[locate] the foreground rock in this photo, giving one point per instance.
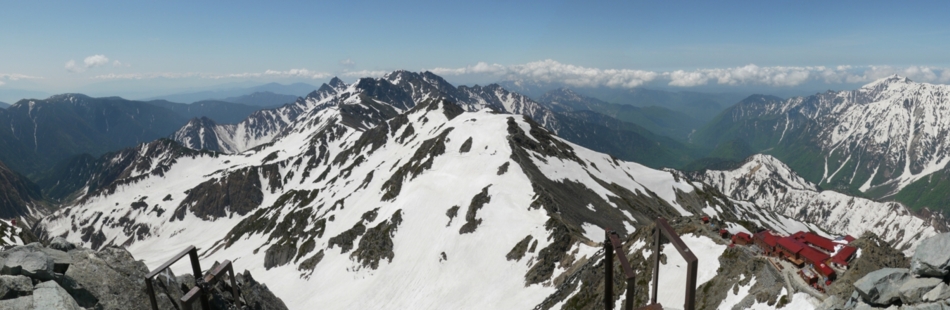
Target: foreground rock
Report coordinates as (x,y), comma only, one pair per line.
(37,277)
(923,286)
(933,257)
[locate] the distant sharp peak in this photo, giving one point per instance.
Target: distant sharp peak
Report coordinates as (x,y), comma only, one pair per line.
(890,80)
(68,97)
(766,167)
(336,83)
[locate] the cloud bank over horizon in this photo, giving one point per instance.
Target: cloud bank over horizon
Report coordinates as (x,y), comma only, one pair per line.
(554,72)
(551,71)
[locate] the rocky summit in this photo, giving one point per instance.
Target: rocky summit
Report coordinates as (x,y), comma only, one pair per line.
(61,275)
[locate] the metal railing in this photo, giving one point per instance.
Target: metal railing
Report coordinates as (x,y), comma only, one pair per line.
(202,284)
(210,279)
(612,245)
(664,230)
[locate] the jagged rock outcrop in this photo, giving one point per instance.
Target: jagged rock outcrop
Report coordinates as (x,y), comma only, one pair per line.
(914,288)
(38,277)
(933,258)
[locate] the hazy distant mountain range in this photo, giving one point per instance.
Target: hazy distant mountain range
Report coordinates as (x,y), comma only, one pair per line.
(4,105)
(235,94)
(697,105)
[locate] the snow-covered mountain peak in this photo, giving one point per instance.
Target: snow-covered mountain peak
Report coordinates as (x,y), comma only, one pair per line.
(893,79)
(760,169)
(772,185)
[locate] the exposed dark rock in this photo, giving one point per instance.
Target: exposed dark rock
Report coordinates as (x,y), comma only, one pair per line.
(466,146)
(518,251)
(377,243)
(310,263)
(503,168)
(471,223)
(279,255)
(240,192)
(451,110)
(421,161)
(451,213)
(561,241)
(346,238)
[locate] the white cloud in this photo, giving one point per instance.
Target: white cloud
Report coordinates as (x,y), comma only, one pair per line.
(72,67)
(347,63)
(479,68)
(90,62)
(365,73)
(95,61)
(298,73)
(120,64)
(552,71)
(2,83)
(16,77)
(775,76)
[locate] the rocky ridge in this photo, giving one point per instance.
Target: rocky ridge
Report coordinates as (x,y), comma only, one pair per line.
(63,276)
(922,286)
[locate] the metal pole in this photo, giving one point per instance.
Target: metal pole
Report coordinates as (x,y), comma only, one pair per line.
(608,271)
(196,269)
(690,303)
(656,262)
(628,304)
(234,292)
(151,293)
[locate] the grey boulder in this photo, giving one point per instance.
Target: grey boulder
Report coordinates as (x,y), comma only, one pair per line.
(928,306)
(49,295)
(882,287)
(26,261)
(14,286)
(914,289)
(60,243)
(25,302)
(932,258)
(941,292)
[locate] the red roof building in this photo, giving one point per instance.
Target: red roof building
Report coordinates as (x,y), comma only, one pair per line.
(705,219)
(843,257)
(723,233)
(742,238)
(813,256)
(819,242)
(766,241)
(791,248)
(826,271)
(848,238)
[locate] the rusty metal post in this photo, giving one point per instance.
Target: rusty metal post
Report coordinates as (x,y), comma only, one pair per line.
(234,292)
(690,302)
(151,293)
(628,304)
(608,271)
(196,269)
(658,236)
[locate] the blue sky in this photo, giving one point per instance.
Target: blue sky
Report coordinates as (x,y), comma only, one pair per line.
(156,46)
